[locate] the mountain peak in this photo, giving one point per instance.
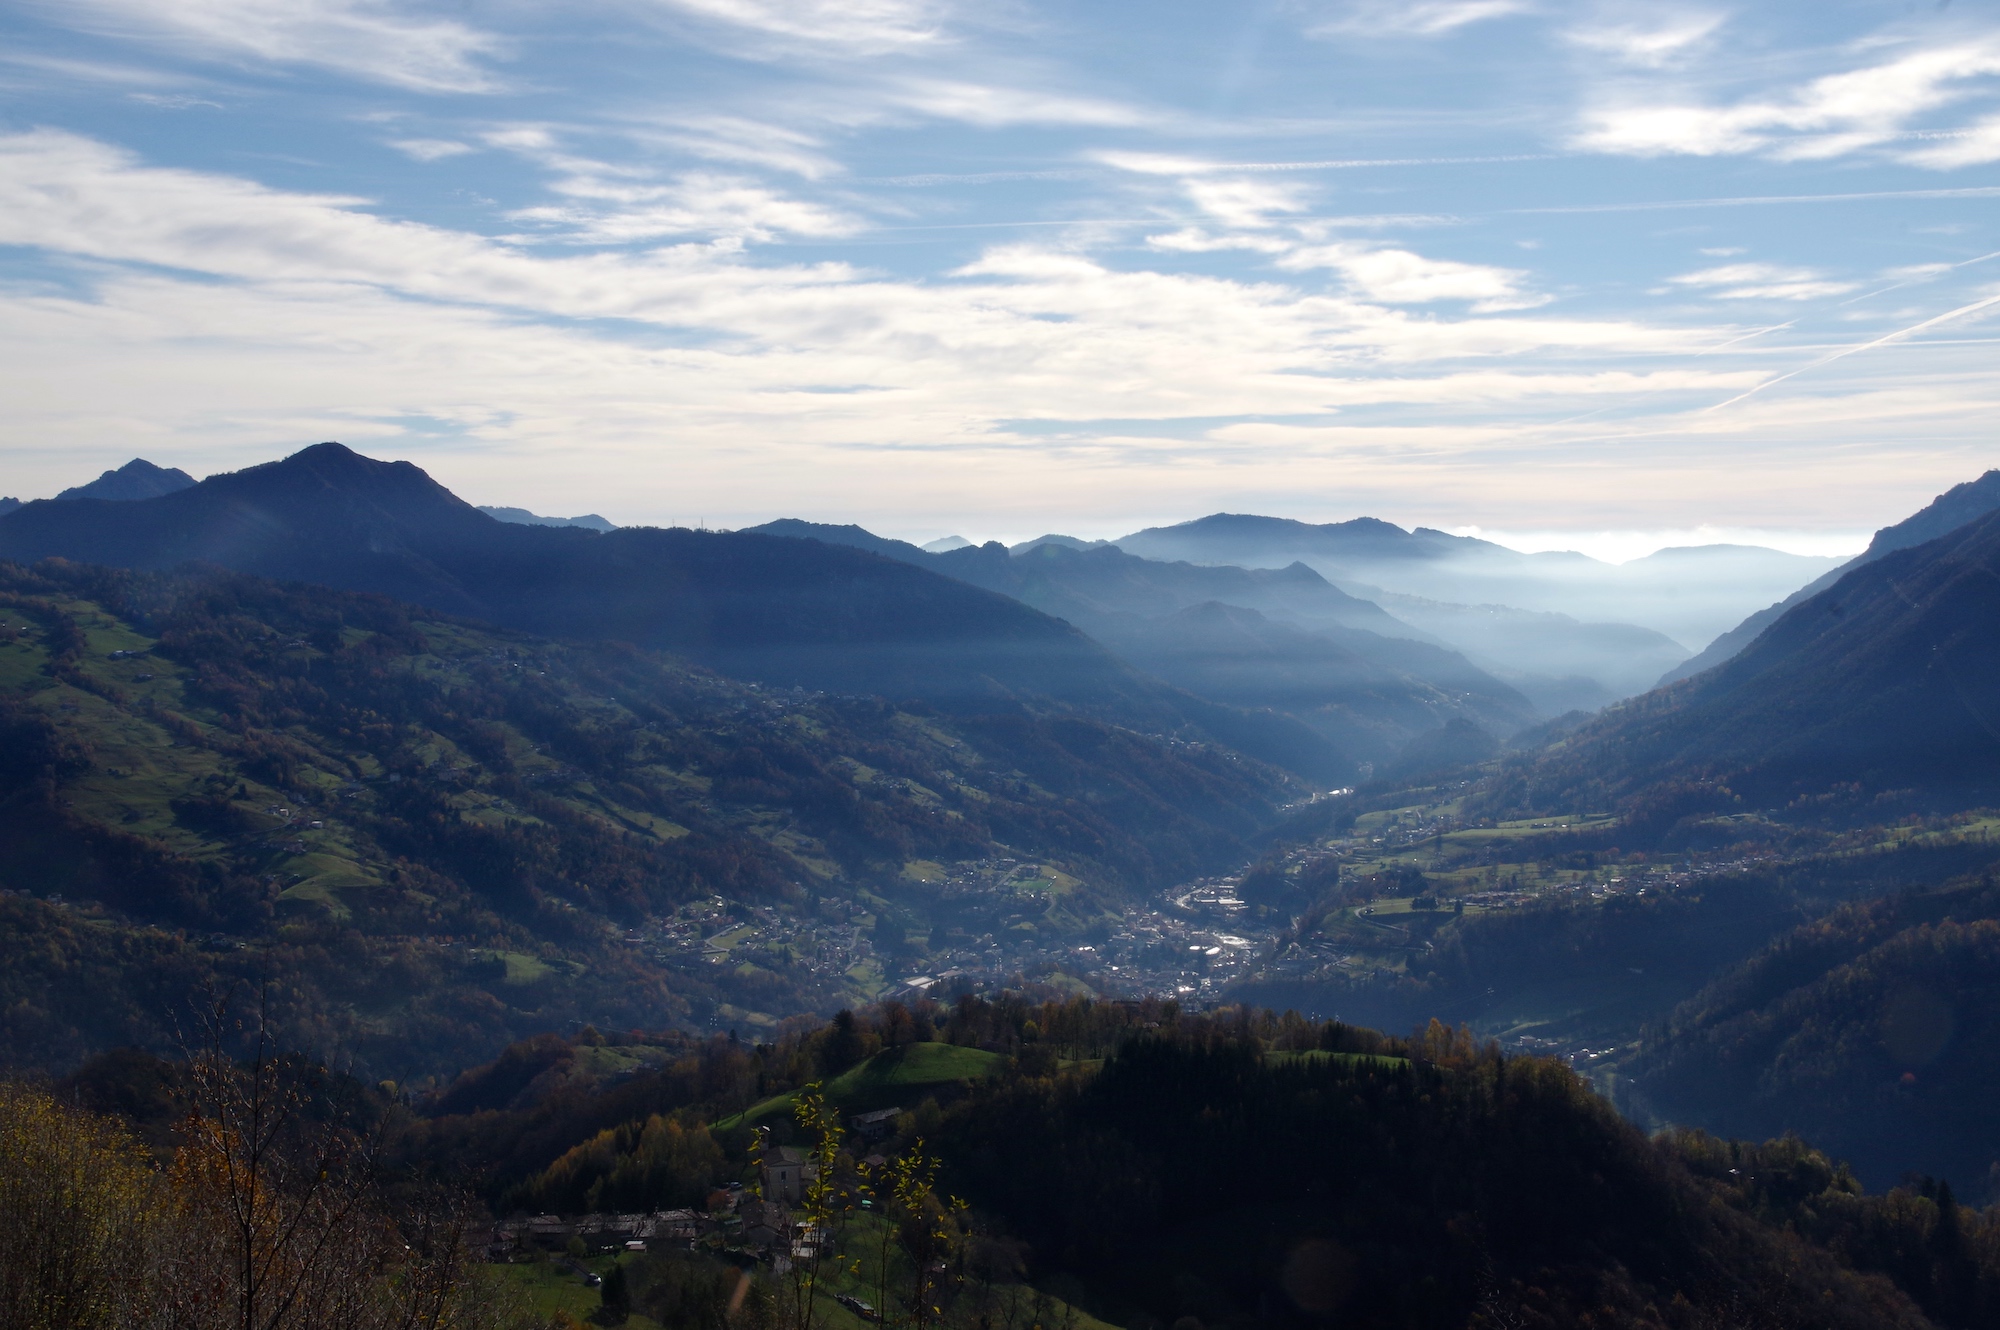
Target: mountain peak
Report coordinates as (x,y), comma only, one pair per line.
(137,479)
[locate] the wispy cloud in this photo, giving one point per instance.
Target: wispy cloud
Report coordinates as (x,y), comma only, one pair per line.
(744,141)
(697,203)
(994,106)
(604,203)
(174,101)
(1827,117)
(1965,311)
(1667,40)
(1244,203)
(1763,281)
(1413,18)
(431,150)
(1401,277)
(1975,145)
(856,26)
(369,39)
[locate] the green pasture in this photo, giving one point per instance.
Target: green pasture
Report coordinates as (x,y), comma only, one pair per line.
(882,1079)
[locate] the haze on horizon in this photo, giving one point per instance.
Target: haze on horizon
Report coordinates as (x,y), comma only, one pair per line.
(1574,275)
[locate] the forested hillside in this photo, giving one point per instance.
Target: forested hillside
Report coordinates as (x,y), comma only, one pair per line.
(1144,1166)
(1885,680)
(437,837)
(1872,1031)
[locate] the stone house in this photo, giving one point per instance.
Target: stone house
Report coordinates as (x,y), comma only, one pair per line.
(787,1173)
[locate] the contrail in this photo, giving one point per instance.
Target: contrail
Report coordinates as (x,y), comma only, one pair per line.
(1828,359)
(1972,192)
(1754,332)
(1962,263)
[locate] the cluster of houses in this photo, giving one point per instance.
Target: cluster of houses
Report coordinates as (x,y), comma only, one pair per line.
(734,1221)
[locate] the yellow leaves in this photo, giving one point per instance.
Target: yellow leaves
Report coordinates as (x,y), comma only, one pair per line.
(72,1190)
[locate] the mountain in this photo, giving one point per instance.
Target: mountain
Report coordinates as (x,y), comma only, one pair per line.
(1888,679)
(137,479)
(943,543)
(780,611)
(8,505)
(526,518)
(1687,594)
(1952,509)
(1514,615)
(444,837)
(1282,639)
(1556,662)
(1870,1031)
(1067,542)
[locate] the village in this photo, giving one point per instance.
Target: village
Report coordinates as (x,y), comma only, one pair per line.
(979,925)
(763,1224)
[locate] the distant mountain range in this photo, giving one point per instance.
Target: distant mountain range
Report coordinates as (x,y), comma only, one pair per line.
(754,606)
(1284,639)
(137,479)
(1685,594)
(523,517)
(1325,648)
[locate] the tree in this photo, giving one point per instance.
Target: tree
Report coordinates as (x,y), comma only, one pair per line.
(614,1297)
(821,1202)
(74,1195)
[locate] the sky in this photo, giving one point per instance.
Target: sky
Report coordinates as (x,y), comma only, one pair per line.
(1584,275)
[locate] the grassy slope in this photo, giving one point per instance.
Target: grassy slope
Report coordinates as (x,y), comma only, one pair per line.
(877,1082)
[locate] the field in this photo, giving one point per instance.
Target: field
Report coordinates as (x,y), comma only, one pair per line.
(884,1079)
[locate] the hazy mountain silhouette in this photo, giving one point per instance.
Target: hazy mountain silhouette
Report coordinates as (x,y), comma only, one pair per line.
(1565,629)
(1515,615)
(137,479)
(777,610)
(1952,509)
(525,518)
(8,505)
(1888,679)
(763,608)
(1284,638)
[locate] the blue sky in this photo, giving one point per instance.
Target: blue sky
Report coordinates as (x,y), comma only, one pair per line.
(1595,275)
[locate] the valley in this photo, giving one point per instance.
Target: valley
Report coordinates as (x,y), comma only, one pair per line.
(598,868)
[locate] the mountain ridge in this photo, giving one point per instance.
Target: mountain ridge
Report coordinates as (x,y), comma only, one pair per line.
(1958,505)
(1886,678)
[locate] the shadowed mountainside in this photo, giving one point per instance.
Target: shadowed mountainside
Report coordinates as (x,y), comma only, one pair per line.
(1952,509)
(1871,1031)
(778,611)
(1888,679)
